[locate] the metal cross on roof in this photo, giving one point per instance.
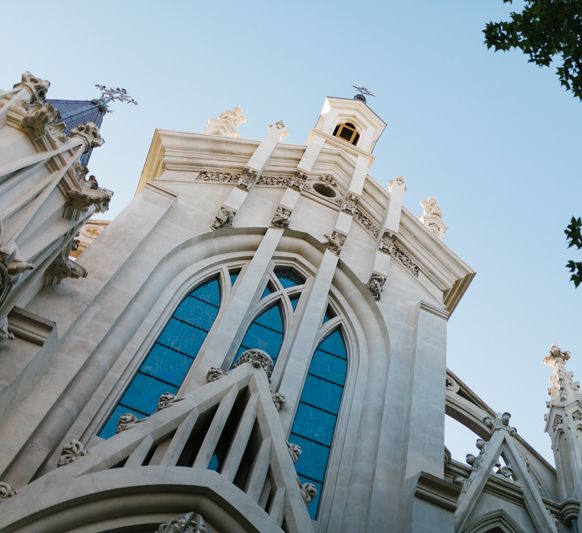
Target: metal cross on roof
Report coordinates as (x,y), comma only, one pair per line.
(363,90)
(109,94)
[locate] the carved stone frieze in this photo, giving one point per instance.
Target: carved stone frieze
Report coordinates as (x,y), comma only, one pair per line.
(247,179)
(64,267)
(6,491)
(257,358)
(167,399)
(376,285)
(218,177)
(366,221)
(281,217)
(279,400)
(335,241)
(349,202)
(214,374)
(126,421)
(389,245)
(34,85)
(224,218)
(71,452)
(308,491)
(186,523)
(89,133)
(294,451)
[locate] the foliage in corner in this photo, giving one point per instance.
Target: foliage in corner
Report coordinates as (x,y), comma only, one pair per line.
(546,31)
(574,237)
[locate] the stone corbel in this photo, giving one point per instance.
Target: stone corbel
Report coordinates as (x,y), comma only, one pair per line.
(71,452)
(36,87)
(37,119)
(335,241)
(247,179)
(89,195)
(89,134)
(214,374)
(64,267)
(281,217)
(224,218)
(376,285)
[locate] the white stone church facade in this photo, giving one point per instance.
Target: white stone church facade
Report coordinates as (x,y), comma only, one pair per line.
(256,343)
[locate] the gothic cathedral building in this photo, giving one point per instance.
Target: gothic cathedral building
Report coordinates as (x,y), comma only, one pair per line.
(256,343)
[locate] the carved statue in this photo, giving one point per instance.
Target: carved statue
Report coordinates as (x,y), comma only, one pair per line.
(297,182)
(349,203)
(376,285)
(233,116)
(224,218)
(281,217)
(71,452)
(186,523)
(64,267)
(91,195)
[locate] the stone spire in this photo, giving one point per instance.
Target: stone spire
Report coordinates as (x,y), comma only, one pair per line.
(227,124)
(432,217)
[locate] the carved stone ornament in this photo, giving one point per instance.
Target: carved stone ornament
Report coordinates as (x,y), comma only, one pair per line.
(335,242)
(279,400)
(504,471)
(376,285)
(64,267)
(397,181)
(38,118)
(90,195)
(89,133)
(167,399)
(389,245)
(234,116)
(329,179)
(349,203)
(218,177)
(501,421)
(34,85)
(366,222)
(281,217)
(577,415)
(6,491)
(186,523)
(557,421)
(257,358)
(71,452)
(297,182)
(227,123)
(451,385)
(224,218)
(308,491)
(294,451)
(126,421)
(214,374)
(247,179)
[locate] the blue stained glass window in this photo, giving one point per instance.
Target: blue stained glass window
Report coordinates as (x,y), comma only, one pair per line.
(289,277)
(317,412)
(265,333)
(268,290)
(233,275)
(168,362)
(329,314)
(294,300)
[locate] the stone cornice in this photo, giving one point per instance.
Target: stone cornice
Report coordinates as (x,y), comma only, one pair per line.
(437,491)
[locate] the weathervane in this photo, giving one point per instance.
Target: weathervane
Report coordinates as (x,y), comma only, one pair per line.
(363,90)
(109,94)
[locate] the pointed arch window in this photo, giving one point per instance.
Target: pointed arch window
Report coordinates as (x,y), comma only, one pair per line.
(348,132)
(318,409)
(171,356)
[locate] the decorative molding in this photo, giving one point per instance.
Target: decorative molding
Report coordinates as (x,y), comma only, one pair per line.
(214,374)
(294,451)
(71,452)
(335,241)
(247,179)
(274,181)
(389,245)
(6,491)
(34,85)
(257,358)
(281,217)
(186,523)
(437,491)
(166,400)
(89,133)
(224,218)
(279,400)
(126,421)
(376,285)
(211,176)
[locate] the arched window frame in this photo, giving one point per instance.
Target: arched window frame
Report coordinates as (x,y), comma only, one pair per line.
(348,124)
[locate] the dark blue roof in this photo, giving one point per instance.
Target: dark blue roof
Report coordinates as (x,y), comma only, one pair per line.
(76,112)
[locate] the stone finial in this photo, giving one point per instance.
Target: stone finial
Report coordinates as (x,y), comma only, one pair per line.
(34,85)
(257,358)
(397,182)
(432,217)
(563,389)
(501,421)
(278,130)
(71,452)
(186,523)
(89,133)
(227,124)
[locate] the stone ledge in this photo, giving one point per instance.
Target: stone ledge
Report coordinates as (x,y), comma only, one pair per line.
(29,326)
(437,491)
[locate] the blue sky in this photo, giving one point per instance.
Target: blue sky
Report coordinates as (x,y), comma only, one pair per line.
(496,140)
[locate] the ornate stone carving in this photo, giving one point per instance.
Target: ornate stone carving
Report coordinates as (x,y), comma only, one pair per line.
(349,202)
(329,179)
(366,222)
(501,421)
(451,385)
(279,400)
(274,181)
(227,123)
(257,358)
(38,118)
(297,182)
(89,133)
(376,285)
(504,471)
(218,177)
(397,181)
(6,491)
(167,399)
(557,421)
(281,217)
(335,241)
(214,374)
(563,388)
(577,415)
(430,207)
(308,491)
(63,267)
(432,217)
(186,523)
(247,179)
(71,452)
(224,218)
(389,245)
(35,86)
(90,194)
(294,451)
(126,421)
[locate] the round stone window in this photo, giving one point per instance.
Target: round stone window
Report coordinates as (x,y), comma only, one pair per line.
(324,190)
